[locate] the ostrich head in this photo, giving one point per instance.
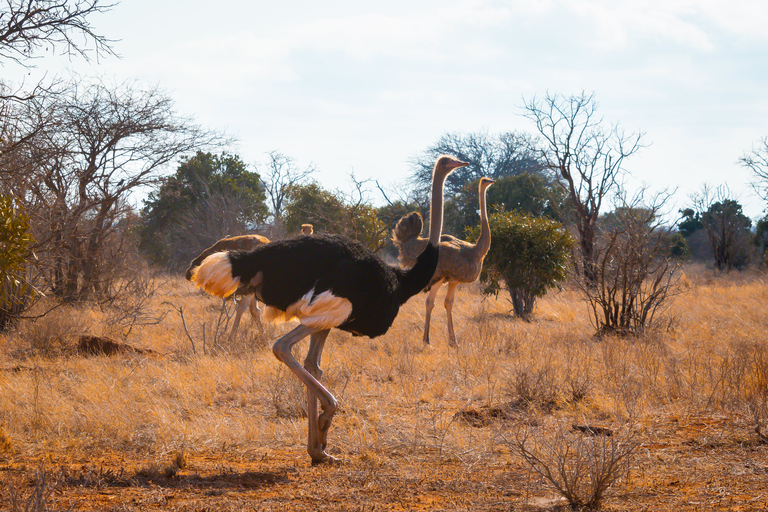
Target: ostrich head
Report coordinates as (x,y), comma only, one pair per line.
(485,183)
(445,164)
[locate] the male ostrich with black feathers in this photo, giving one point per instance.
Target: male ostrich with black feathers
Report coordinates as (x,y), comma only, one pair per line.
(326,281)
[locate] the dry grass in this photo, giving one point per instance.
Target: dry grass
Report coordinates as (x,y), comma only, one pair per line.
(222,426)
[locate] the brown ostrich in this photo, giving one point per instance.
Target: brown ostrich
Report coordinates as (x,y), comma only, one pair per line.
(307,229)
(247,299)
(460,261)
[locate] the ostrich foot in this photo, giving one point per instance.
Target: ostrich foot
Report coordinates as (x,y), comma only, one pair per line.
(324,458)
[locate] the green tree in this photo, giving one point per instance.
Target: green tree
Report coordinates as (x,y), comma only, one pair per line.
(761,240)
(15,247)
(728,229)
(208,197)
(333,213)
(528,254)
(690,222)
(528,193)
(677,246)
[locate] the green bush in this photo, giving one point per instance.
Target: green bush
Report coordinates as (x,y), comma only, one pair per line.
(15,243)
(528,254)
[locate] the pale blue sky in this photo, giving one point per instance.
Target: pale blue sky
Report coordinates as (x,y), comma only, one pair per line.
(353,87)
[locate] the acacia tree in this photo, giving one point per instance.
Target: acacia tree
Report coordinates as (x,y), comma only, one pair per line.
(585,157)
(26,26)
(75,173)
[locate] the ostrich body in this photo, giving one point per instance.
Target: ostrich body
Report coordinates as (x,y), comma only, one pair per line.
(247,300)
(459,262)
(326,281)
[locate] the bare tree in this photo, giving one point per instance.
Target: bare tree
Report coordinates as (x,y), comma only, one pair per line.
(757,162)
(98,144)
(636,277)
(278,180)
(586,158)
(26,26)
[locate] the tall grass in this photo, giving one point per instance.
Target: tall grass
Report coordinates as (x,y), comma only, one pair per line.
(396,396)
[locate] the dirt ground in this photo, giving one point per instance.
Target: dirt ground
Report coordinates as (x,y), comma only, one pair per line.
(704,463)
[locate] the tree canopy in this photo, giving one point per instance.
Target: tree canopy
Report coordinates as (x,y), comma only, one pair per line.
(333,213)
(209,197)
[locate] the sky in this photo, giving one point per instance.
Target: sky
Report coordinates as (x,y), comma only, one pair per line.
(352,86)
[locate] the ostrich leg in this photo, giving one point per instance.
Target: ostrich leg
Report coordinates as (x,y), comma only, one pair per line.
(317,440)
(242,305)
(449,295)
(253,306)
(430,305)
(282,350)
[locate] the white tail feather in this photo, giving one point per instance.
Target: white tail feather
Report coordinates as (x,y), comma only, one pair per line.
(214,275)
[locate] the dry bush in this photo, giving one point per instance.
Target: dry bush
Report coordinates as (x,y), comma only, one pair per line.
(581,468)
(54,334)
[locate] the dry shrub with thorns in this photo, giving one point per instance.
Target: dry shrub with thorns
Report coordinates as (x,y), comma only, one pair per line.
(581,464)
(634,278)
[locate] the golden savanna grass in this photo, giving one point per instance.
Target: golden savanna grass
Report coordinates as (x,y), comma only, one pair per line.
(202,424)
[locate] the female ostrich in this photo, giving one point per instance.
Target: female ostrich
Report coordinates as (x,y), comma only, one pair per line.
(247,300)
(460,261)
(326,281)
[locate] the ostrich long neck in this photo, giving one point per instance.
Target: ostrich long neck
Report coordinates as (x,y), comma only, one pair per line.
(484,242)
(414,280)
(436,208)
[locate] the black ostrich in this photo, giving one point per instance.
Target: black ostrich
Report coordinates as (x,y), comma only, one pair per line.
(325,281)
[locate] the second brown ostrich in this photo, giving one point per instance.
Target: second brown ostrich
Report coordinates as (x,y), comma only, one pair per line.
(247,299)
(459,261)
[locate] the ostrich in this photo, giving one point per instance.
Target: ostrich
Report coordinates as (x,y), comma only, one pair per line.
(460,261)
(326,281)
(307,229)
(247,300)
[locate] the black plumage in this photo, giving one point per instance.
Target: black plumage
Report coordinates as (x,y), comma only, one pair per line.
(344,267)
